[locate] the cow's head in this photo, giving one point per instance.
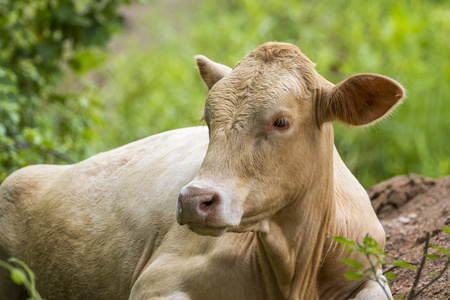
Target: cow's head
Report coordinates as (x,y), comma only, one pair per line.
(270,135)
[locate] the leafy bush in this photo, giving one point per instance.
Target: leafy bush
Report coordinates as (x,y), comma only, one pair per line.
(40,40)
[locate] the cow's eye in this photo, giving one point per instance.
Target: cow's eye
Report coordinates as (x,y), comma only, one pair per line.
(281,123)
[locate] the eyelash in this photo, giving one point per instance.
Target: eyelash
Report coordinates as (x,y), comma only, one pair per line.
(281,123)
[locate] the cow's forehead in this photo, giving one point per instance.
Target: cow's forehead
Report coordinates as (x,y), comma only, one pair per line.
(272,51)
(261,80)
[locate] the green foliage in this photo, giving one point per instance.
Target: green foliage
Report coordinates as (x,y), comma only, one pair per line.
(352,275)
(390,275)
(341,240)
(403,264)
(440,249)
(432,256)
(40,40)
(370,250)
(354,263)
(150,85)
(21,274)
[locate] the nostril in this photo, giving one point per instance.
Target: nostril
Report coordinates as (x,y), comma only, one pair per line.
(206,205)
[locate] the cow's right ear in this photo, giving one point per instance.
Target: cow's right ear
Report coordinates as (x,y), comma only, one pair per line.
(211,72)
(360,100)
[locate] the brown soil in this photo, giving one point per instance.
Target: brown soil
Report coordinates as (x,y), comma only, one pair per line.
(409,207)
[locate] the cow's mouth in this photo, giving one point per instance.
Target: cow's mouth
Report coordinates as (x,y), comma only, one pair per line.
(203,229)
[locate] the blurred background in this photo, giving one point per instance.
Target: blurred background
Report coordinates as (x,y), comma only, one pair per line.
(82,77)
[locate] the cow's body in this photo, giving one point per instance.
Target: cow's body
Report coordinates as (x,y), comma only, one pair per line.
(106,228)
(105,215)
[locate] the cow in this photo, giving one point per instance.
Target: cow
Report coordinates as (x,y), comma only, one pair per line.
(237,209)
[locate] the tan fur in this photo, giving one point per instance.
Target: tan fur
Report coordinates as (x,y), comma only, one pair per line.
(106,228)
(361,99)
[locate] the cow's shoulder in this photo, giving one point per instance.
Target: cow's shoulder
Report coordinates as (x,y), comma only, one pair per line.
(19,194)
(26,183)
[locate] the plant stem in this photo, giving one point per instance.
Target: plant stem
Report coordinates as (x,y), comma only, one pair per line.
(367,255)
(434,279)
(419,270)
(6,265)
(376,277)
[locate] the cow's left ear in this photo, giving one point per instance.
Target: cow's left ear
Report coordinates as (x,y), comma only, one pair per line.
(211,72)
(360,99)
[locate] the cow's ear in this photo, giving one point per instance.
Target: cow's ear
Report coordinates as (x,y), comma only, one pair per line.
(360,99)
(210,72)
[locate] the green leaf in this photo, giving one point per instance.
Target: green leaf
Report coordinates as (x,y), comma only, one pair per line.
(80,20)
(354,263)
(440,249)
(403,264)
(18,276)
(378,249)
(49,50)
(380,260)
(432,274)
(432,256)
(7,77)
(351,275)
(65,11)
(390,275)
(446,229)
(95,35)
(361,250)
(86,60)
(348,249)
(370,242)
(342,240)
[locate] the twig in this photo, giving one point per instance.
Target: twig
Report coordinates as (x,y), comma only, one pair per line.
(419,270)
(435,278)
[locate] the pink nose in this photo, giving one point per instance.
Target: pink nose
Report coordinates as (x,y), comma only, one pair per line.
(196,205)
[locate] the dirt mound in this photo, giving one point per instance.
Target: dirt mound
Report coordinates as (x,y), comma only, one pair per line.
(409,207)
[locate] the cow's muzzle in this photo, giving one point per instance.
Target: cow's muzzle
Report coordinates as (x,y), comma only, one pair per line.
(206,211)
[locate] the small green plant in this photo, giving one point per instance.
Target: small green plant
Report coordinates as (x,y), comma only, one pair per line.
(370,250)
(21,274)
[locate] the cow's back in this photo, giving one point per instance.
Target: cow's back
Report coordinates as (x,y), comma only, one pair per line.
(88,229)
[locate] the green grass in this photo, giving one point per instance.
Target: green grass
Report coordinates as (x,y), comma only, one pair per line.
(150,84)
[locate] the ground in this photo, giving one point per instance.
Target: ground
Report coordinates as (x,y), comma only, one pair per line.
(409,207)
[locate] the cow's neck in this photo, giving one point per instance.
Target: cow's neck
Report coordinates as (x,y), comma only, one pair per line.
(291,250)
